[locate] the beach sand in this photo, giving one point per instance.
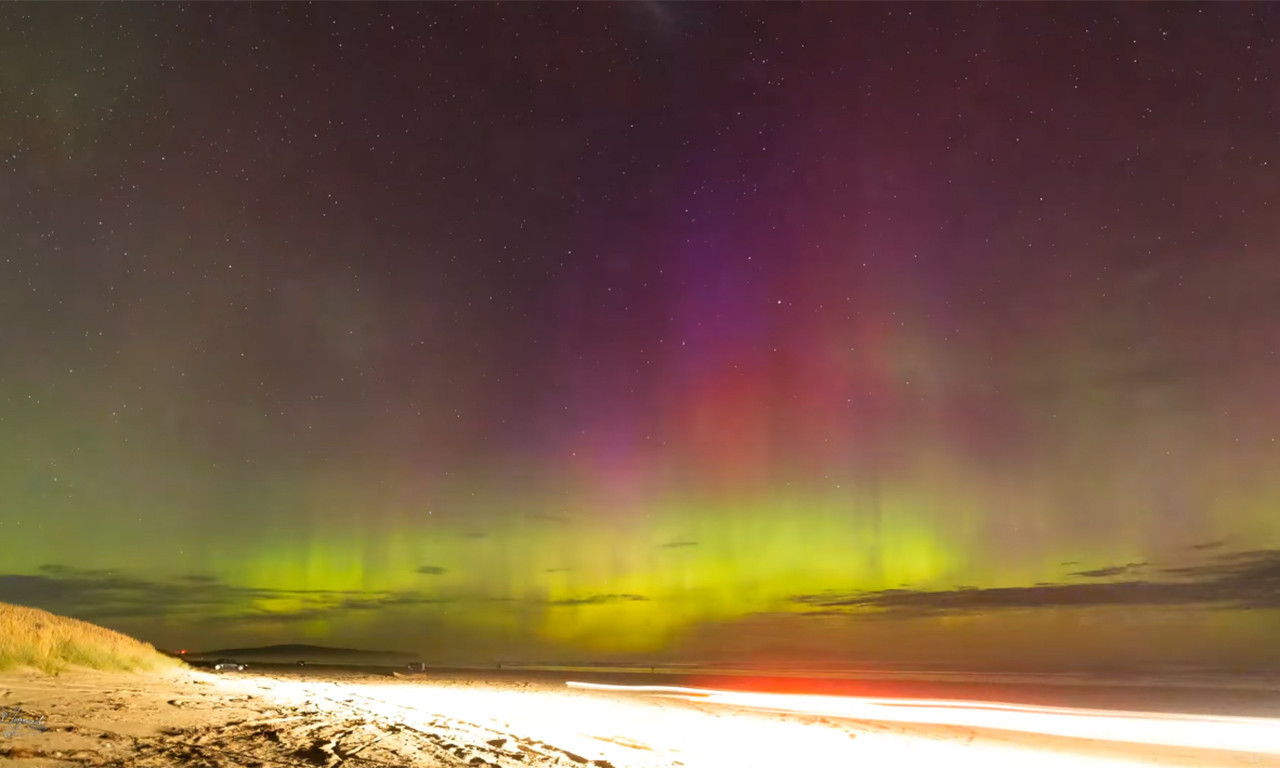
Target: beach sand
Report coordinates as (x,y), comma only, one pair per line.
(362,720)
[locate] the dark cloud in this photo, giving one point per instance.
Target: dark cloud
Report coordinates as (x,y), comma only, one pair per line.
(1249,554)
(1109,571)
(678,544)
(430,570)
(1241,580)
(476,535)
(67,570)
(1209,545)
(1099,573)
(600,599)
(559,570)
(104,595)
(413,598)
(198,578)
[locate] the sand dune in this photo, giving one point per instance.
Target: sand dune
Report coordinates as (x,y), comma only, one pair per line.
(30,637)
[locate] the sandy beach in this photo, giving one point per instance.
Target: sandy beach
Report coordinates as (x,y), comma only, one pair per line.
(331,718)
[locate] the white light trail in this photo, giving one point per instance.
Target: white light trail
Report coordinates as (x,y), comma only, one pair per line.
(672,725)
(1242,734)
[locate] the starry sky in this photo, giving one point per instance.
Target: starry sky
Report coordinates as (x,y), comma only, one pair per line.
(833,333)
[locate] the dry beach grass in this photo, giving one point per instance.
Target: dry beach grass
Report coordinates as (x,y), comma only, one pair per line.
(30,637)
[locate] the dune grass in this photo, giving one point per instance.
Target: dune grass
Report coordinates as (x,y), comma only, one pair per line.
(30,637)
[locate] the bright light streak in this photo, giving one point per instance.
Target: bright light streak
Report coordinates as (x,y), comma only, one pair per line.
(676,726)
(1243,734)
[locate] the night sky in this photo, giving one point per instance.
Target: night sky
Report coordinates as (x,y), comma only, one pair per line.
(905,333)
